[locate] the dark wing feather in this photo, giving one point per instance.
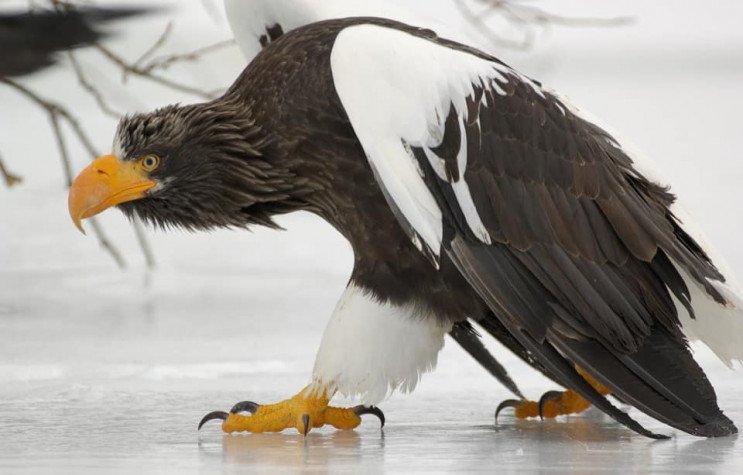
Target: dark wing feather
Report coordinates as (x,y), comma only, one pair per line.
(470,341)
(503,299)
(580,268)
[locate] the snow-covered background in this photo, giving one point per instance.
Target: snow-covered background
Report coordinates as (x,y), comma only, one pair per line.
(110,370)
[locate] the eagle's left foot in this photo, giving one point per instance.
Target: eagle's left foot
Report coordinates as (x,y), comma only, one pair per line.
(553,403)
(306,410)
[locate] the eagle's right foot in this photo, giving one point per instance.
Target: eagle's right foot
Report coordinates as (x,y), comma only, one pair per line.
(306,410)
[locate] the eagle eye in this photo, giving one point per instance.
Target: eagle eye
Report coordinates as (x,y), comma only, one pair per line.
(150,162)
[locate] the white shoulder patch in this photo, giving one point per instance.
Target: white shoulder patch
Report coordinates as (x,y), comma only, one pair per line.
(397,90)
(370,349)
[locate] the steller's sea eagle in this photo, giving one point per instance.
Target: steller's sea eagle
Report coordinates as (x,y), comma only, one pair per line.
(467,190)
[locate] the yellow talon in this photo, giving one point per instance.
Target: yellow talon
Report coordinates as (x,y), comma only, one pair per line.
(305,411)
(554,403)
(568,402)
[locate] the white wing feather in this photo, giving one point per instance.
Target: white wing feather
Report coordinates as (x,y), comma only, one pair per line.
(397,90)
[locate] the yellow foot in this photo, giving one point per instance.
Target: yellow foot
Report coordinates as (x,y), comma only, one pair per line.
(553,403)
(306,410)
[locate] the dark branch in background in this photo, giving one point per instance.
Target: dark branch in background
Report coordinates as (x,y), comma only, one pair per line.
(530,19)
(165,62)
(130,68)
(156,45)
(146,68)
(10,178)
(90,88)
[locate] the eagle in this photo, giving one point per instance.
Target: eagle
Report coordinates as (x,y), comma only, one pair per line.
(467,190)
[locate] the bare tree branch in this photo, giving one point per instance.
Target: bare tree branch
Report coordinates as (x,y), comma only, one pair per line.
(62,146)
(10,178)
(156,45)
(166,61)
(149,257)
(128,68)
(479,20)
(106,244)
(92,90)
(528,18)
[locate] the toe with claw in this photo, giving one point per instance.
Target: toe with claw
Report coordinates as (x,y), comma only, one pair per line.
(244,406)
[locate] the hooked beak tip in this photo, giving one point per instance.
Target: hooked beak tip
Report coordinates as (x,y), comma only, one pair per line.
(79,225)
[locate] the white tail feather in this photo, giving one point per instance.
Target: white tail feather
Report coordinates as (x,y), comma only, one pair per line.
(719,327)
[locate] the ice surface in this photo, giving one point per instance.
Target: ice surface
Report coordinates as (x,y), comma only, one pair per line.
(104,370)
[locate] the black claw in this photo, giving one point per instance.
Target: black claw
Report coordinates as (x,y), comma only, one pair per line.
(374,410)
(514,403)
(221,415)
(245,406)
(548,396)
(306,422)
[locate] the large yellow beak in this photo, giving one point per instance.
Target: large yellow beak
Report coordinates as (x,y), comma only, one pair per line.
(104,183)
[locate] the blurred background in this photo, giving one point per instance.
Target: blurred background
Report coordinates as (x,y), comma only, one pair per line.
(217,317)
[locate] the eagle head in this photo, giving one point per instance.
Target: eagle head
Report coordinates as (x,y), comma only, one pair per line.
(194,167)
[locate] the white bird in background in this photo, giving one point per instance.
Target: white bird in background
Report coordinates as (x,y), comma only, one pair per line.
(253,22)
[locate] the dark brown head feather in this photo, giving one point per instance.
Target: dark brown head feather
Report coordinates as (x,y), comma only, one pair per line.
(213,171)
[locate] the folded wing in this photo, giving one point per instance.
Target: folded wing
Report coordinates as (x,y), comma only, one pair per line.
(578,254)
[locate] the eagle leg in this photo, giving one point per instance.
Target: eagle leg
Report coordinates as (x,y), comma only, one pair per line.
(305,411)
(552,403)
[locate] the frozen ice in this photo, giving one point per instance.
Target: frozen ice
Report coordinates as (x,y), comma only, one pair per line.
(103,370)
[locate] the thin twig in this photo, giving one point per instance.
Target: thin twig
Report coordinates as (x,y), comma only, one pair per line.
(156,45)
(528,18)
(92,90)
(528,14)
(10,178)
(62,146)
(479,20)
(105,243)
(138,71)
(165,62)
(139,68)
(149,257)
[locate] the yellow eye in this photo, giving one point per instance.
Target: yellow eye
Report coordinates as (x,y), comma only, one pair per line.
(150,162)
